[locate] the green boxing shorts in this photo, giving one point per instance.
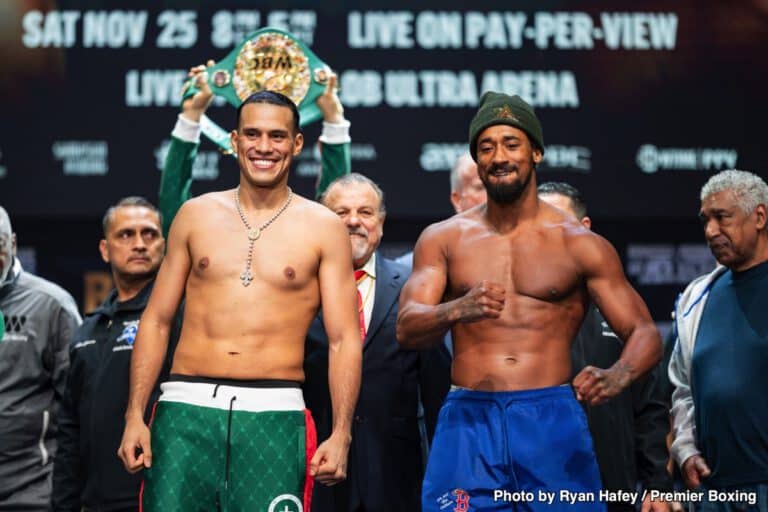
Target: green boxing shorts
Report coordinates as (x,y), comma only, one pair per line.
(230,446)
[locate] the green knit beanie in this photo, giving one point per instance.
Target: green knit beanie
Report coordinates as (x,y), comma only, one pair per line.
(497,108)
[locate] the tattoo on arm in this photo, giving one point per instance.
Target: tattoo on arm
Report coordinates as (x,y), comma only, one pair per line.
(443,315)
(623,372)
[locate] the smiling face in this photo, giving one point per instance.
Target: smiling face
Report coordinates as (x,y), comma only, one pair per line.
(505,162)
(266,143)
(359,206)
(732,234)
(133,244)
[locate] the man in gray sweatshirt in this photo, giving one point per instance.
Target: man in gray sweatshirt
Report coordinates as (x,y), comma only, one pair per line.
(40,318)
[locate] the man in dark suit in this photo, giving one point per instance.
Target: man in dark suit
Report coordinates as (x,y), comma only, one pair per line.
(385,458)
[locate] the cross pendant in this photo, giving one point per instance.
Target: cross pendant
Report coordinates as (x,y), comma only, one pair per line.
(246,278)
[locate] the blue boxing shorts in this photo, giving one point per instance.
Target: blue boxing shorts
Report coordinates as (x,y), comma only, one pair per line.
(525,450)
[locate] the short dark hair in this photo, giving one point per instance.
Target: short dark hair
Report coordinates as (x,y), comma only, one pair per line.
(355,177)
(127,201)
(272,98)
(566,190)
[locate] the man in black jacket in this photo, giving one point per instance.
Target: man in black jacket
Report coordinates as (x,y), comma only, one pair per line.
(87,471)
(629,432)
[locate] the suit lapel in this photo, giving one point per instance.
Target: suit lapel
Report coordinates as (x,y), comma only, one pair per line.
(386,292)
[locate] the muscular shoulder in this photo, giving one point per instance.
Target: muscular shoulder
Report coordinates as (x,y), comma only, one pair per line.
(201,207)
(435,242)
(450,229)
(204,202)
(318,226)
(561,227)
(591,251)
(316,212)
(588,249)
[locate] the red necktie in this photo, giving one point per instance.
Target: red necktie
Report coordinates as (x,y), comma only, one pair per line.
(359,275)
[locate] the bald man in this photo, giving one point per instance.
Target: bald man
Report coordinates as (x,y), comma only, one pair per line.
(34,356)
(467,190)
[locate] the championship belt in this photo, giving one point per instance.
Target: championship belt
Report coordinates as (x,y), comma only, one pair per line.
(269,59)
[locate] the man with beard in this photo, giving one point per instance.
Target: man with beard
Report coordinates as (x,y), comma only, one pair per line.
(86,471)
(515,276)
(385,460)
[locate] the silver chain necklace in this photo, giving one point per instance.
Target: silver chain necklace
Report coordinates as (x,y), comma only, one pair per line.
(255,233)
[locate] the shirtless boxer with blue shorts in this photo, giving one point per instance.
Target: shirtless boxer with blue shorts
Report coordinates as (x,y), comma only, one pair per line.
(512,279)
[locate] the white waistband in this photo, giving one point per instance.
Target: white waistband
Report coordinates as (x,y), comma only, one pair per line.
(246,398)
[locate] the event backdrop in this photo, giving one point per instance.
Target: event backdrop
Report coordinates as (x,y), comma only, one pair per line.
(640,101)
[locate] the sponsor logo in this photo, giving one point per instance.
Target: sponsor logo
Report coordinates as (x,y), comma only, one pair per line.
(82,157)
(668,264)
(15,323)
(445,501)
(308,163)
(441,156)
(651,159)
(285,503)
(205,166)
(10,336)
(567,158)
(606,330)
(85,343)
(128,335)
(462,500)
(505,113)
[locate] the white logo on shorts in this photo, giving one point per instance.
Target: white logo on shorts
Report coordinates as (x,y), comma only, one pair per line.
(286,503)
